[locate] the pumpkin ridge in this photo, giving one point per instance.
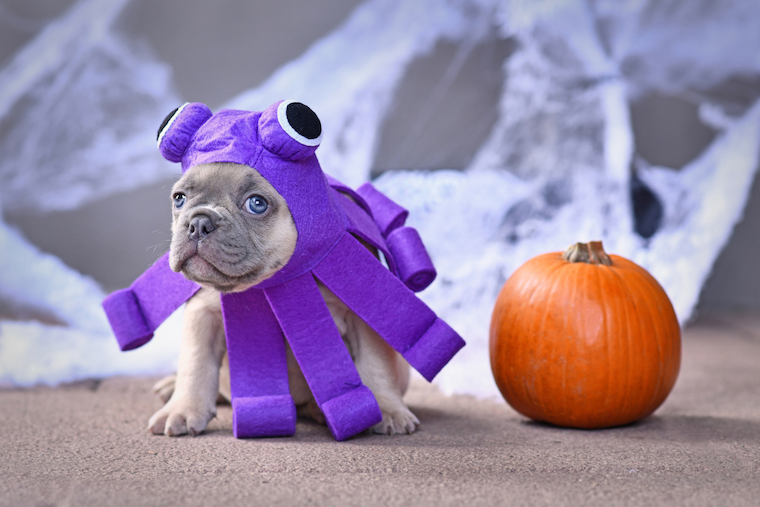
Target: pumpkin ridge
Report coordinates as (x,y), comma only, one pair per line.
(497,320)
(608,384)
(546,272)
(514,304)
(566,398)
(663,333)
(571,281)
(666,379)
(633,329)
(512,309)
(607,303)
(646,314)
(542,332)
(550,273)
(520,390)
(639,316)
(643,285)
(637,348)
(572,321)
(592,278)
(653,401)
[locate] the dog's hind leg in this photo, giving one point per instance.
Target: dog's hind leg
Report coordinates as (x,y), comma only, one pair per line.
(381,368)
(164,388)
(386,373)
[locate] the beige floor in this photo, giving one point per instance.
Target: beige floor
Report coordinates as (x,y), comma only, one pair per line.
(85,445)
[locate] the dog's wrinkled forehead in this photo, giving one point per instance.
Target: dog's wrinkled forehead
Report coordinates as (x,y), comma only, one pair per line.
(222,181)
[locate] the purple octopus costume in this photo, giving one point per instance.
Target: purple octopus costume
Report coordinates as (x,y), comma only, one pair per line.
(280,143)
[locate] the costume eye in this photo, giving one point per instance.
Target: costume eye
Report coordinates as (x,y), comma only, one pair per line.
(179,200)
(256,204)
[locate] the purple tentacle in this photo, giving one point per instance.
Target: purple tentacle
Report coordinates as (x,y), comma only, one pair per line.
(353,274)
(415,268)
(387,214)
(135,313)
(261,401)
(362,225)
(349,406)
(409,257)
(350,192)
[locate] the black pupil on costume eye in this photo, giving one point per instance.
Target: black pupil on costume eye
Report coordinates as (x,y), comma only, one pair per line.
(303,120)
(257,205)
(179,200)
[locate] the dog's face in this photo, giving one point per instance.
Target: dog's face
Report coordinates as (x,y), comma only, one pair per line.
(231,229)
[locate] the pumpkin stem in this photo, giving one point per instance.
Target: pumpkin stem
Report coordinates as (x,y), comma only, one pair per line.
(590,253)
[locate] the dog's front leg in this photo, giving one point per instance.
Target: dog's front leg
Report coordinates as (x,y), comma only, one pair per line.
(193,403)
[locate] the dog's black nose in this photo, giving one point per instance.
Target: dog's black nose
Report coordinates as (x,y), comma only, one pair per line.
(200,227)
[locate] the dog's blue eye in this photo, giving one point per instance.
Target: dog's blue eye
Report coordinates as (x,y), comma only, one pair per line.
(179,200)
(257,205)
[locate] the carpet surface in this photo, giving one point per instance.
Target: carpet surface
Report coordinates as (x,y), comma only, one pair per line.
(86,444)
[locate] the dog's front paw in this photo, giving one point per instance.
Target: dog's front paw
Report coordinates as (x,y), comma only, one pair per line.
(397,422)
(176,419)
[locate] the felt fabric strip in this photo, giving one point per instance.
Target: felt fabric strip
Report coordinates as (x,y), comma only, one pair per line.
(263,416)
(387,214)
(360,224)
(402,247)
(127,319)
(135,313)
(415,268)
(349,407)
(261,401)
(381,300)
(350,192)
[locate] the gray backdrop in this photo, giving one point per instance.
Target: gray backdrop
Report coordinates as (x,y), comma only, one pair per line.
(204,41)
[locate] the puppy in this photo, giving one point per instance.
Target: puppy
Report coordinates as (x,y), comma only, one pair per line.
(230,231)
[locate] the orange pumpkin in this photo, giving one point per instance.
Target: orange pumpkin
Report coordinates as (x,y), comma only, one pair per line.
(584,340)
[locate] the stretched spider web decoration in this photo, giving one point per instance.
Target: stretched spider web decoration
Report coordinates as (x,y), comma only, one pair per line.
(559,165)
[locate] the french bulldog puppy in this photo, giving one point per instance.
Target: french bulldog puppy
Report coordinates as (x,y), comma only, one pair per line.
(231,230)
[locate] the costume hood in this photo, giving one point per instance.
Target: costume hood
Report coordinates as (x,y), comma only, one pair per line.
(280,143)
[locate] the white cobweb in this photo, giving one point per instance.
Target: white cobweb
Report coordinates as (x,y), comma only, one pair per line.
(554,170)
(76,108)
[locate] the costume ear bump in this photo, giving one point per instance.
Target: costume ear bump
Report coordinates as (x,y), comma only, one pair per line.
(290,130)
(178,128)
